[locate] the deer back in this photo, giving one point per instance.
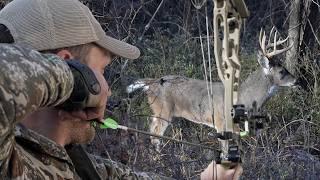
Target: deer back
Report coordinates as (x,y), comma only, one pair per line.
(184,97)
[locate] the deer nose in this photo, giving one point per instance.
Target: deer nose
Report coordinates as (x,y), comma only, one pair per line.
(298,82)
(301,82)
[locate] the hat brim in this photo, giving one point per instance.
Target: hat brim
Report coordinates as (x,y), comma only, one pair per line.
(118,47)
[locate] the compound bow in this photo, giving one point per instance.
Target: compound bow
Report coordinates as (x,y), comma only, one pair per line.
(228,16)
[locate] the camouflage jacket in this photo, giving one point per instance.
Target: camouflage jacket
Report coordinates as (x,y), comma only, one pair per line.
(30,80)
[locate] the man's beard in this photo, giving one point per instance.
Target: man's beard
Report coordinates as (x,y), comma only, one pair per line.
(81,134)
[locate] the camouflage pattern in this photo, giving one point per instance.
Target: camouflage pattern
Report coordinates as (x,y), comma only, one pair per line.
(30,80)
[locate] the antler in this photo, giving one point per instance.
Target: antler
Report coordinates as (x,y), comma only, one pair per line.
(264,47)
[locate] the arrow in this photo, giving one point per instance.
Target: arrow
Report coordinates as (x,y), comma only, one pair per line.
(112,124)
(109,123)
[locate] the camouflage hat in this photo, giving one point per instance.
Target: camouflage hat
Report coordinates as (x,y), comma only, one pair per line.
(53,24)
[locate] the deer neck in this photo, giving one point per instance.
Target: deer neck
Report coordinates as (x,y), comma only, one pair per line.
(257,88)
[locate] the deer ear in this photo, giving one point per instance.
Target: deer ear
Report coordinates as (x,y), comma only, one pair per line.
(263,61)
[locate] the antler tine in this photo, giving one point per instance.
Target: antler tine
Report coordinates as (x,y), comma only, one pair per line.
(262,41)
(260,34)
(276,43)
(280,42)
(271,33)
(275,52)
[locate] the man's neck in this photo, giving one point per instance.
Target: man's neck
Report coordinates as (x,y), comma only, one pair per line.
(48,123)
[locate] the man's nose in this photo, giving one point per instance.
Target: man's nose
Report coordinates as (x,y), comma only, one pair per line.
(109,92)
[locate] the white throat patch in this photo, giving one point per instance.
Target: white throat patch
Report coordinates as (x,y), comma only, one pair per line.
(266,71)
(273,89)
(137,85)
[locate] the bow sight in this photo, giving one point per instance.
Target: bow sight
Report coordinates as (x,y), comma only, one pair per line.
(250,120)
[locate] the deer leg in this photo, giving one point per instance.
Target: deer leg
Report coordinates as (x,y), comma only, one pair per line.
(160,121)
(158,126)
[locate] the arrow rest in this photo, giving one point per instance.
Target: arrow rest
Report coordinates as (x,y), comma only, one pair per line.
(250,120)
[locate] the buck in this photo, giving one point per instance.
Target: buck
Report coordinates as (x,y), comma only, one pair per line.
(177,96)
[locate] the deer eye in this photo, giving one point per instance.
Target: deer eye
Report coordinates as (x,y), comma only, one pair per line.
(283,73)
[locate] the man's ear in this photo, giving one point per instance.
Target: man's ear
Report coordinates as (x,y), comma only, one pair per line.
(65,54)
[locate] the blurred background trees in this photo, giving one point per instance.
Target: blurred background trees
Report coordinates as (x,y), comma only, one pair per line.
(167,32)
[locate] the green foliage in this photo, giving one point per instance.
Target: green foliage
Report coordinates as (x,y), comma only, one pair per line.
(291,132)
(249,64)
(288,146)
(164,56)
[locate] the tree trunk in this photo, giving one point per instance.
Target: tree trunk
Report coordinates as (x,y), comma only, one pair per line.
(308,46)
(294,32)
(311,26)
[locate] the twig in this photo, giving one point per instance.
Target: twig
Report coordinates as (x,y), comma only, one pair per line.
(315,36)
(148,25)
